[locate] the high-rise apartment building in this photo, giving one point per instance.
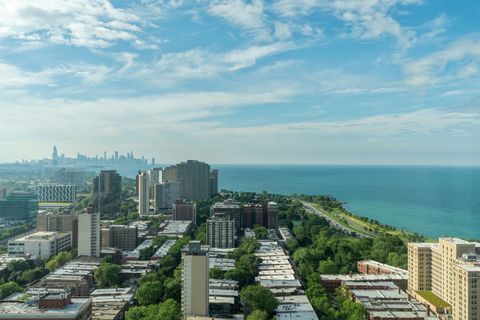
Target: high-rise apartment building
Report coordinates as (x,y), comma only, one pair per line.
(57,192)
(221,231)
(263,214)
(165,194)
(119,236)
(107,193)
(155,175)
(231,209)
(184,210)
(194,178)
(19,206)
(448,270)
(195,279)
(169,174)
(213,182)
(143,194)
(89,233)
(62,222)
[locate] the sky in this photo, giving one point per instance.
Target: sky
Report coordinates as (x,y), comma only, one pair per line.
(237,81)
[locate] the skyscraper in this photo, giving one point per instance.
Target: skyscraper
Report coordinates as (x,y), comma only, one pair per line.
(195,279)
(107,193)
(194,178)
(89,233)
(213,182)
(155,176)
(55,156)
(221,231)
(143,194)
(165,194)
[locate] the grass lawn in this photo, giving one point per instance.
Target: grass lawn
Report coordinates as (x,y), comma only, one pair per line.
(433,298)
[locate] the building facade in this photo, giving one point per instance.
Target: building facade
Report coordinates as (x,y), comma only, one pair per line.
(231,209)
(194,178)
(41,244)
(195,280)
(119,236)
(62,222)
(143,194)
(165,194)
(221,231)
(107,193)
(184,210)
(89,234)
(19,206)
(57,193)
(262,214)
(213,182)
(450,271)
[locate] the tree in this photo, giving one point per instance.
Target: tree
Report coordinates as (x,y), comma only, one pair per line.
(108,275)
(256,297)
(250,263)
(327,267)
(216,273)
(241,276)
(260,232)
(258,315)
(149,293)
(168,310)
(9,288)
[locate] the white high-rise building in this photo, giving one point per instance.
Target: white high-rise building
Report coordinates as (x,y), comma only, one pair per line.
(89,234)
(155,175)
(195,279)
(143,194)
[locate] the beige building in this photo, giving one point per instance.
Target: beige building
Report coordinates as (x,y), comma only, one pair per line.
(195,279)
(221,231)
(119,236)
(89,234)
(63,222)
(446,275)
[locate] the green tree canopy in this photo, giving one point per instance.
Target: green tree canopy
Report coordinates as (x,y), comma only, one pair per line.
(256,297)
(108,275)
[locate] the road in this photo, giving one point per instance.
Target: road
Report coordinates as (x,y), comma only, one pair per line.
(333,223)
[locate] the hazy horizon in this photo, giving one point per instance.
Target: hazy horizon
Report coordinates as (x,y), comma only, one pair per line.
(243,82)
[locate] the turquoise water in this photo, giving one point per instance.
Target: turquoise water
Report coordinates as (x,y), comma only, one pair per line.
(434,201)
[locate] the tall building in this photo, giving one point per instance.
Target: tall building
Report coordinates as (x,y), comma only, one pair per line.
(165,194)
(184,210)
(221,231)
(69,176)
(169,174)
(19,206)
(107,193)
(62,222)
(57,192)
(195,278)
(194,178)
(263,214)
(89,233)
(143,194)
(231,209)
(213,182)
(155,175)
(120,236)
(449,272)
(55,156)
(41,244)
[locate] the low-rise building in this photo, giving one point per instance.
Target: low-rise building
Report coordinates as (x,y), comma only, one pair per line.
(46,305)
(110,304)
(375,267)
(41,244)
(119,236)
(175,228)
(333,281)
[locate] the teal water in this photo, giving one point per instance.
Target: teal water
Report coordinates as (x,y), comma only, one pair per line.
(433,201)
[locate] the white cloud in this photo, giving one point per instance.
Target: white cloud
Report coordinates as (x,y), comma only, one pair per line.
(247,15)
(201,63)
(85,23)
(462,56)
(366,20)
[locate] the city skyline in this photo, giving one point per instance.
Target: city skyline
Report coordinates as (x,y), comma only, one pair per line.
(318,82)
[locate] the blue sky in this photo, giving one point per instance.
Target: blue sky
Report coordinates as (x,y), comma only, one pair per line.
(285,81)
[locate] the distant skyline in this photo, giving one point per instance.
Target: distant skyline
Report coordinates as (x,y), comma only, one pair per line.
(283,82)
